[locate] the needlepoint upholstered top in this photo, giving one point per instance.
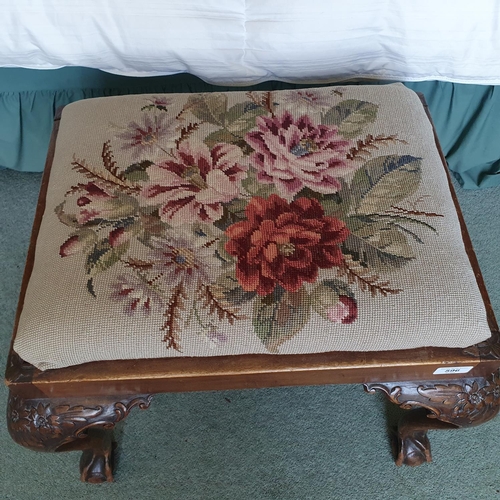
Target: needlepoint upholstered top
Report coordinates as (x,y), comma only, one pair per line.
(247,222)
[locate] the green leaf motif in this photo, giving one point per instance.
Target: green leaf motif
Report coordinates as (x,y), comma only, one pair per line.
(87,238)
(137,171)
(256,188)
(234,211)
(337,204)
(238,120)
(237,206)
(211,108)
(280,316)
(90,287)
(339,287)
(241,117)
(67,219)
(382,250)
(385,181)
(103,256)
(326,295)
(351,117)
(221,136)
(229,288)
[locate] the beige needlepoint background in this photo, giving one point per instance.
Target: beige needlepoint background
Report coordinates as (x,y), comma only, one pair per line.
(62,324)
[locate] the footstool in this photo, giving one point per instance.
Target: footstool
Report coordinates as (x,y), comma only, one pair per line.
(247,239)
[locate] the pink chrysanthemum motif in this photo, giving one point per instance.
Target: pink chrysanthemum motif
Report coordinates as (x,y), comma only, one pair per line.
(192,185)
(295,153)
(151,136)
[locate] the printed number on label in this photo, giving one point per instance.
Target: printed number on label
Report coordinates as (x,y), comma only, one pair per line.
(447,370)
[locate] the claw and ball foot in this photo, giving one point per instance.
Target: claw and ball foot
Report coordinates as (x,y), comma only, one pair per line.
(96,462)
(437,405)
(66,424)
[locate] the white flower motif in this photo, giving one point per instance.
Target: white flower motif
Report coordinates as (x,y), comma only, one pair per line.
(187,257)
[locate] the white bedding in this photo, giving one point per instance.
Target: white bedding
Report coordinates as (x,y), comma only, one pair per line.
(242,42)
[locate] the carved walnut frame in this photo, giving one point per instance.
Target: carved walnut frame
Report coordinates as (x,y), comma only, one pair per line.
(77,407)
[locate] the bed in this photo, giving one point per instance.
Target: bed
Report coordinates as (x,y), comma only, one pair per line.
(53,53)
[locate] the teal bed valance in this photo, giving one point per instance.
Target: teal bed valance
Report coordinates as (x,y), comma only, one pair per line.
(466,116)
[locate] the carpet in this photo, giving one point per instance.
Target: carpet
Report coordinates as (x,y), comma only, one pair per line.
(317,443)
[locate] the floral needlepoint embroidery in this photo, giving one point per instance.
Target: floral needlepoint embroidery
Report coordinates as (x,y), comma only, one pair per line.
(71,246)
(137,294)
(252,216)
(284,244)
(195,182)
(94,201)
(311,100)
(146,137)
(345,311)
(184,258)
(295,153)
(333,300)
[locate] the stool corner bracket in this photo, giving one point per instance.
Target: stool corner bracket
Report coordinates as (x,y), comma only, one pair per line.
(45,424)
(18,370)
(442,404)
(488,349)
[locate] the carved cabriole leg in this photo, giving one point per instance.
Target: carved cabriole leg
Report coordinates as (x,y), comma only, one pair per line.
(70,424)
(438,405)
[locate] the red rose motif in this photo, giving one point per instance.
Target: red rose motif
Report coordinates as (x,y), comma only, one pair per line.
(284,243)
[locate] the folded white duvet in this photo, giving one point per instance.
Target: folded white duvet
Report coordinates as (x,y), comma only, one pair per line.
(238,41)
